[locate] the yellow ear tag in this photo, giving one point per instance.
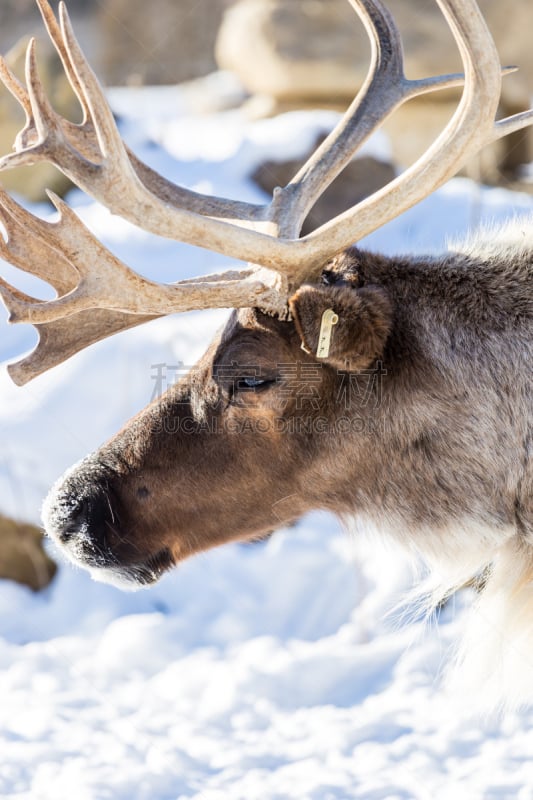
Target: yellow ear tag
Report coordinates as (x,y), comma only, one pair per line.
(329,319)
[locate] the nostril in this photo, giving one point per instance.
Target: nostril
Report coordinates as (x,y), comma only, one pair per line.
(75,521)
(67,533)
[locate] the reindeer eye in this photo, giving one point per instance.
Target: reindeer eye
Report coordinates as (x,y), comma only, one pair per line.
(254,383)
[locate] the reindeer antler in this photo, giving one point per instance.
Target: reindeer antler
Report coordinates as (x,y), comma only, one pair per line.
(99,295)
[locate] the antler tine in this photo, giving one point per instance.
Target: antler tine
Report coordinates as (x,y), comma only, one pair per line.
(56,37)
(63,338)
(40,261)
(43,133)
(44,118)
(80,136)
(109,140)
(516,122)
(14,86)
(32,253)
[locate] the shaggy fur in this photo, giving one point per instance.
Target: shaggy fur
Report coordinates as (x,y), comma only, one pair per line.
(420,420)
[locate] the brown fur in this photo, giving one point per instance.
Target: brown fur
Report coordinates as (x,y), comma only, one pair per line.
(420,421)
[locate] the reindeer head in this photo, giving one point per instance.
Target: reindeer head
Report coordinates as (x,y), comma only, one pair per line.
(244,443)
(235,449)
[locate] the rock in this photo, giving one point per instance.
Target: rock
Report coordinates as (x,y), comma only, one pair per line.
(360,178)
(293,50)
(22,555)
(317,54)
(310,49)
(158,43)
(22,18)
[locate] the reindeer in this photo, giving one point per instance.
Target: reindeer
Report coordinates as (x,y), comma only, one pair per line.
(417,413)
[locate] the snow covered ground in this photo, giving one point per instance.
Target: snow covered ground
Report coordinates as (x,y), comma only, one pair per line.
(270,671)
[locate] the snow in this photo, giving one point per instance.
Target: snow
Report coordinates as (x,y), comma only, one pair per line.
(287,669)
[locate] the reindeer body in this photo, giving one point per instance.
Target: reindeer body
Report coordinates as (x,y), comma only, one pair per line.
(397,389)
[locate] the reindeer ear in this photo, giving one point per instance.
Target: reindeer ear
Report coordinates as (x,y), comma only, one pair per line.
(363,322)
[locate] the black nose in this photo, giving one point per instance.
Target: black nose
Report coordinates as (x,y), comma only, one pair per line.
(80,513)
(82,520)
(74,521)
